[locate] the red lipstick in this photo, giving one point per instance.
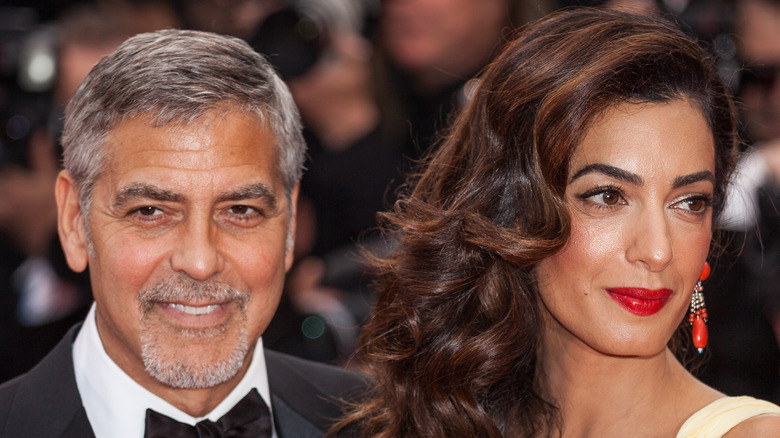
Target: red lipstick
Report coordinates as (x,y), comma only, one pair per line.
(639,301)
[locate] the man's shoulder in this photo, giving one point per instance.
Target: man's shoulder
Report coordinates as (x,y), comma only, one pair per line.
(321,379)
(54,369)
(320,393)
(8,392)
(45,400)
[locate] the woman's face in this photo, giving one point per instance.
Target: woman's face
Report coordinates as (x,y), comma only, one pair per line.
(639,193)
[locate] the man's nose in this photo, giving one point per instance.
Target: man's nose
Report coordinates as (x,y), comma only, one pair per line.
(196,251)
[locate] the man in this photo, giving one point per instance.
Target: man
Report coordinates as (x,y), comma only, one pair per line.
(183,153)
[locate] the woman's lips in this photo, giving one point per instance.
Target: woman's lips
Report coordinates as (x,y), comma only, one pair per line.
(639,301)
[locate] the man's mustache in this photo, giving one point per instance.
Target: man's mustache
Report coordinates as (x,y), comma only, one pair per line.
(182,289)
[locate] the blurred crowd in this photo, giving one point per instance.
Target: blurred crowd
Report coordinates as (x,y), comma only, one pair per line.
(376,82)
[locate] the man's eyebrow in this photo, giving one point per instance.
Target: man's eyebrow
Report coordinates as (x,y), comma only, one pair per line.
(704,175)
(612,171)
(147,191)
(254,191)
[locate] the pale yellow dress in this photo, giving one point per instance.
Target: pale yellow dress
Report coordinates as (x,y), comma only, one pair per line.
(720,416)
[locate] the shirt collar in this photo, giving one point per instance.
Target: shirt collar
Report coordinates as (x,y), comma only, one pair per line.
(116,404)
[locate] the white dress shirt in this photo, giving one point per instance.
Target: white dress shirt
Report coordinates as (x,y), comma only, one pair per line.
(116,404)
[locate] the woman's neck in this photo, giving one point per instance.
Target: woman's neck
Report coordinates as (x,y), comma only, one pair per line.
(603,395)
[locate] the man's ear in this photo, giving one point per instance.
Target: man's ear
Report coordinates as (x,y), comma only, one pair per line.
(70,222)
(290,255)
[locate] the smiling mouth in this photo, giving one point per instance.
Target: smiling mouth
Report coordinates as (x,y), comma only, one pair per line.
(196,316)
(195,310)
(640,301)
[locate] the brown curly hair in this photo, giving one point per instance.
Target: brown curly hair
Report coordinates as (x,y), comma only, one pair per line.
(455,332)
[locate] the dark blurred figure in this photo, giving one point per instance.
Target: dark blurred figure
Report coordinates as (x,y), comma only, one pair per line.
(239,18)
(43,64)
(39,299)
(428,50)
(318,49)
(745,286)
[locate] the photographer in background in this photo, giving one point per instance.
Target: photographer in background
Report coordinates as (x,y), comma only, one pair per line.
(39,299)
(43,64)
(318,48)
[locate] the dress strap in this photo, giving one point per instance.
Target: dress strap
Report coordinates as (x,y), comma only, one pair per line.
(720,416)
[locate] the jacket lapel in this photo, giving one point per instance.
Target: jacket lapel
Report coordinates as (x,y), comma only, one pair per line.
(289,424)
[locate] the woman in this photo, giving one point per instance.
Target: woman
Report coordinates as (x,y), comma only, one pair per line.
(551,247)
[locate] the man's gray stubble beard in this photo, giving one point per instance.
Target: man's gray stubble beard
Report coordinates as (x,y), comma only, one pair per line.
(164,365)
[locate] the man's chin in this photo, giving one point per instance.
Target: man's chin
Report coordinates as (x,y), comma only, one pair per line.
(197,365)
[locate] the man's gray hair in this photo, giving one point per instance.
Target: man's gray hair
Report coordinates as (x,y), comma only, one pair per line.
(175,76)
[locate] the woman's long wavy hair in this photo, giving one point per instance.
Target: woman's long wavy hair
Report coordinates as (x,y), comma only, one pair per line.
(455,332)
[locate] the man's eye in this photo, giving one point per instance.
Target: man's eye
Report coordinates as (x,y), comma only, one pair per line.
(149,211)
(240,209)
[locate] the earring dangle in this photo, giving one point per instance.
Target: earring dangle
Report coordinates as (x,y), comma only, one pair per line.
(698,314)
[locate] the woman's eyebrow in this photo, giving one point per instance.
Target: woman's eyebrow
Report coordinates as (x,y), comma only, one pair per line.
(704,175)
(631,178)
(612,171)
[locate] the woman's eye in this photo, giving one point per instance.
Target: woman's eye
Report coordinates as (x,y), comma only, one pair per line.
(606,197)
(695,204)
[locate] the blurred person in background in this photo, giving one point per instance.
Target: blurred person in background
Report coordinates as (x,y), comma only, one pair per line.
(35,293)
(746,284)
(41,298)
(318,49)
(428,51)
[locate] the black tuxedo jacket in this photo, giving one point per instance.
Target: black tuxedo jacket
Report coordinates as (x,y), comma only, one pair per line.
(306,397)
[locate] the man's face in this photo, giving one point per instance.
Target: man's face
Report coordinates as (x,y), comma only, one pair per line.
(188,226)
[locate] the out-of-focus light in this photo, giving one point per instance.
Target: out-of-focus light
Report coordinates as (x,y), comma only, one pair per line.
(38,62)
(17,127)
(41,68)
(313,327)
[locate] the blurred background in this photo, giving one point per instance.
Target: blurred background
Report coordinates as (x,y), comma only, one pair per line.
(376,83)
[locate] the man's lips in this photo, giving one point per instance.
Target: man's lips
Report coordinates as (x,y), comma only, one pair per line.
(191,314)
(640,301)
(195,310)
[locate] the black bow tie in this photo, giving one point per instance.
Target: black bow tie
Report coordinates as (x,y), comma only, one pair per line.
(249,418)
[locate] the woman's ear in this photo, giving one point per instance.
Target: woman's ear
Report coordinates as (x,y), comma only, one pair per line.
(70,223)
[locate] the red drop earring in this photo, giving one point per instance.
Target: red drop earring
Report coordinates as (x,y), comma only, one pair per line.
(698,315)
